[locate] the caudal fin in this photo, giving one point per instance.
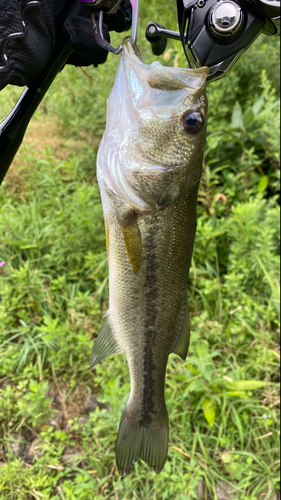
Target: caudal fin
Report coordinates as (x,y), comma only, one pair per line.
(136,440)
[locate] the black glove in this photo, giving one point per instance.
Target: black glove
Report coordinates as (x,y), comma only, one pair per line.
(29,30)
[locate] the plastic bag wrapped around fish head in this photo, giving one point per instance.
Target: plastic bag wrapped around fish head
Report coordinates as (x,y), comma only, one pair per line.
(152,148)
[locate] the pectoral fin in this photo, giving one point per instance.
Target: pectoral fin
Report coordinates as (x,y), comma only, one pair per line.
(105,345)
(183,343)
(132,237)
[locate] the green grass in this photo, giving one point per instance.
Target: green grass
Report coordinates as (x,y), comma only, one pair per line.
(224,400)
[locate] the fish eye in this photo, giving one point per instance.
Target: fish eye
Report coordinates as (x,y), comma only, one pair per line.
(192,121)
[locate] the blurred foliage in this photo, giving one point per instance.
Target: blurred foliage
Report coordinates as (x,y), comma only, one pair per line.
(223,402)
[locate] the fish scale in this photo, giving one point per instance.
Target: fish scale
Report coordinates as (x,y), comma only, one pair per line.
(149,170)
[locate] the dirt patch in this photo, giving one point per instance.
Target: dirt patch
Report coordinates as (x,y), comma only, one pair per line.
(44,135)
(67,404)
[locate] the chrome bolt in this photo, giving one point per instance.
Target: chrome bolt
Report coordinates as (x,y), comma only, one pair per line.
(226,17)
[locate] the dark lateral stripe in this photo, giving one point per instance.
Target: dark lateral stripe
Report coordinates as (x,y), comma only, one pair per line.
(151,294)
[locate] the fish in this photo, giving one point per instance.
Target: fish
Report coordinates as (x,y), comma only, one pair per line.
(149,166)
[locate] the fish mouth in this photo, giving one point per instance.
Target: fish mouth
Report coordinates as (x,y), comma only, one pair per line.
(159,77)
(131,47)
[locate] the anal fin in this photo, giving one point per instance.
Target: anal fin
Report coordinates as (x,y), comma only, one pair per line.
(183,343)
(105,345)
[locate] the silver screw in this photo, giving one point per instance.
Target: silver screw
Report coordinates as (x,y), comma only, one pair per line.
(152,29)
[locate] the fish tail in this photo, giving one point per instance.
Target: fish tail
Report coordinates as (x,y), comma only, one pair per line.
(148,441)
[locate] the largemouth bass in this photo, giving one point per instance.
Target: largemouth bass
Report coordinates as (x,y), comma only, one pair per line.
(149,167)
